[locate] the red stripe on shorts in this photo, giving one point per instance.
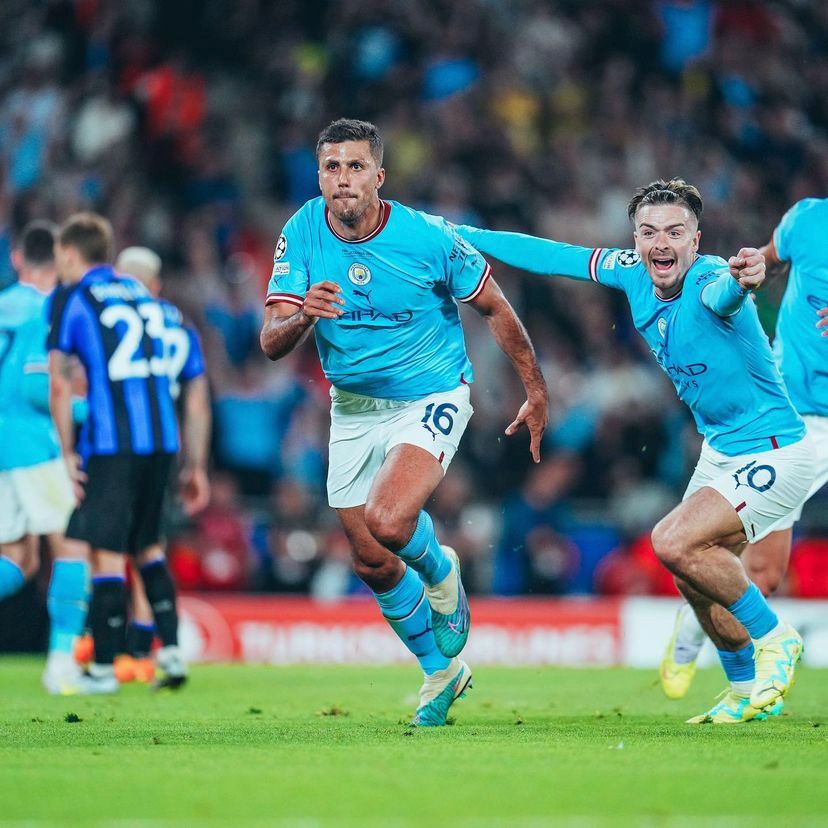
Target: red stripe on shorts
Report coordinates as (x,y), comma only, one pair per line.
(774,442)
(741,506)
(442,457)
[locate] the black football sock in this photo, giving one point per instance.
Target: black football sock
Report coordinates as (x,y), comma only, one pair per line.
(160,589)
(107,617)
(139,639)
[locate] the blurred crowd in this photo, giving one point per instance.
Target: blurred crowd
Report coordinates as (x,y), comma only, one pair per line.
(192,126)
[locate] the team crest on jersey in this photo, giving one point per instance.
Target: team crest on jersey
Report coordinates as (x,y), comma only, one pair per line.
(662,326)
(359,274)
(628,258)
(281,248)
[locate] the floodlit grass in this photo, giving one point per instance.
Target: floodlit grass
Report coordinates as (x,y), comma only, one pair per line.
(310,746)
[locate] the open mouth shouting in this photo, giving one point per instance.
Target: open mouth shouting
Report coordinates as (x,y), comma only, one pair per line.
(662,264)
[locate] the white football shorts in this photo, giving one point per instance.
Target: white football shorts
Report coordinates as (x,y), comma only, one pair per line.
(365,429)
(35,500)
(818,432)
(766,488)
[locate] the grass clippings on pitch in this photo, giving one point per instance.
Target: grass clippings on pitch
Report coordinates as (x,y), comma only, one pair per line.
(319,746)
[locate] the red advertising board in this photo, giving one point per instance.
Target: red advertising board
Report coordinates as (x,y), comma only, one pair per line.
(294,630)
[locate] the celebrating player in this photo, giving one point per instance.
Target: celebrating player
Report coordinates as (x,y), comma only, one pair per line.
(128,442)
(801,354)
(756,465)
(377,282)
(36,496)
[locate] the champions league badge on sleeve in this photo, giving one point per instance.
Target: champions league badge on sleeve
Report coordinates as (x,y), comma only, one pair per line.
(281,248)
(359,274)
(628,258)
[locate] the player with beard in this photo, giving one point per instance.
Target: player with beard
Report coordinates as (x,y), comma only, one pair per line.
(756,464)
(379,283)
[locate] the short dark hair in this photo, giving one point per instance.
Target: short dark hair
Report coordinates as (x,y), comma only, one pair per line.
(349,129)
(674,191)
(91,235)
(37,243)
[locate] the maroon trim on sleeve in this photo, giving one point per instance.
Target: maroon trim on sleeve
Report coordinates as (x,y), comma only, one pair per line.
(290,298)
(487,272)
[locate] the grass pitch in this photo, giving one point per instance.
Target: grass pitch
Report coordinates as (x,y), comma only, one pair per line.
(319,746)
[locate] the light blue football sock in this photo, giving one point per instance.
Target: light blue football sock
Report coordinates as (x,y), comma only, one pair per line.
(753,613)
(407,611)
(11,577)
(67,603)
(739,667)
(424,554)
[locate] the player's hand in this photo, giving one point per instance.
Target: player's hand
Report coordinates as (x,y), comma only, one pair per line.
(194,487)
(748,268)
(534,414)
(823,322)
(74,465)
(322,301)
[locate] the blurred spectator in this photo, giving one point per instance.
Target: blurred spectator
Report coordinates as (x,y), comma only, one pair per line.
(194,127)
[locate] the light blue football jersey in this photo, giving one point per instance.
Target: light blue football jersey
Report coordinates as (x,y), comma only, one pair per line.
(400,337)
(802,239)
(723,368)
(27,433)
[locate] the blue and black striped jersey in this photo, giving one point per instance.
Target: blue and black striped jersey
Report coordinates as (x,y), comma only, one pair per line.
(118,332)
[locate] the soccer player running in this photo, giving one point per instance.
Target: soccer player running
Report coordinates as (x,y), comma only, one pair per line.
(756,465)
(799,239)
(127,443)
(36,496)
(379,283)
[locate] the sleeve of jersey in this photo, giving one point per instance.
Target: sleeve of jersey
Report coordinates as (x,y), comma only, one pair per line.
(289,279)
(784,233)
(60,315)
(544,257)
(194,366)
(467,272)
(723,295)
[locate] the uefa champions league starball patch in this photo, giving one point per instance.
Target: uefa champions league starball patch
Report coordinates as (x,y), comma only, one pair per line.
(281,248)
(359,274)
(628,258)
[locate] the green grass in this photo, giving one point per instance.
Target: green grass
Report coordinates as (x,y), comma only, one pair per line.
(312,746)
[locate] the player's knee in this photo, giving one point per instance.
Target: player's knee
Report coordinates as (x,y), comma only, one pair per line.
(387,526)
(666,542)
(376,574)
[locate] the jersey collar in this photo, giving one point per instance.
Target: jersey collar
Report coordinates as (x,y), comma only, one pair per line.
(385,213)
(98,272)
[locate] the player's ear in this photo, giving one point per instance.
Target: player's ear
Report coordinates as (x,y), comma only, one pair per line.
(380,177)
(16,259)
(696,240)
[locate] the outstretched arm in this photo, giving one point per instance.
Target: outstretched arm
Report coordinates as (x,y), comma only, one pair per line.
(725,295)
(513,340)
(544,257)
